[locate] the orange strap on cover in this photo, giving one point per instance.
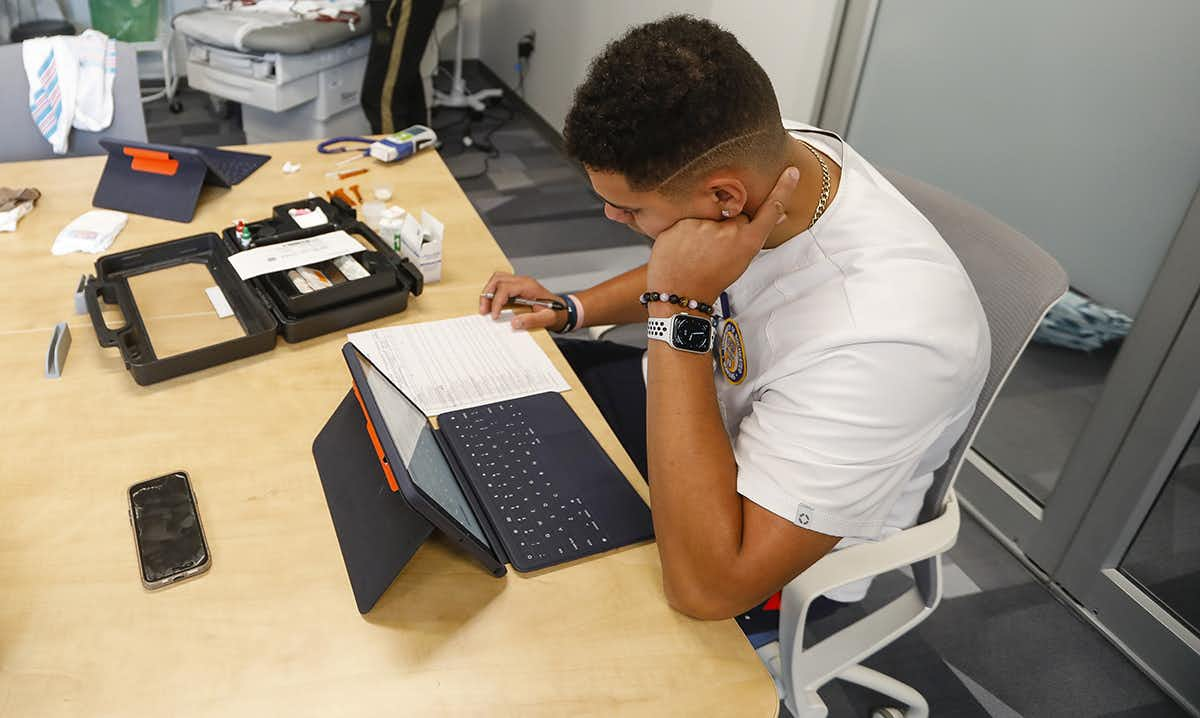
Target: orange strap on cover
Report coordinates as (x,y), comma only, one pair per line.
(387,470)
(153,161)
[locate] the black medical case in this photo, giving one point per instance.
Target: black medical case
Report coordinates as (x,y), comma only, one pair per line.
(266,306)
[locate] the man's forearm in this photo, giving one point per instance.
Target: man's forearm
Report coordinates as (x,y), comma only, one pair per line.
(693,474)
(616,300)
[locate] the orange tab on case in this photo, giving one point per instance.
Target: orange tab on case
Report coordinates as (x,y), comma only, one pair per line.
(387,470)
(153,161)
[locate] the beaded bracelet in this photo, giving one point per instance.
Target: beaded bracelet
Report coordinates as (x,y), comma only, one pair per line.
(696,304)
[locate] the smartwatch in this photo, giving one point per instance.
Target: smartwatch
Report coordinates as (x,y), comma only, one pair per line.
(683,331)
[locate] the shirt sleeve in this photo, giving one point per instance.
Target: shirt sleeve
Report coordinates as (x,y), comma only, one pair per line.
(831,445)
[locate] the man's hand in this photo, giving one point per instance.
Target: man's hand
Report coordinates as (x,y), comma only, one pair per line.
(504,286)
(700,258)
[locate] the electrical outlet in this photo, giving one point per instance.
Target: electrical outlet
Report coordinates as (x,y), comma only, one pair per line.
(526,45)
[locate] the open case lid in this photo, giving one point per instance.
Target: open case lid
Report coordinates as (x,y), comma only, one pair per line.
(133,340)
(260,313)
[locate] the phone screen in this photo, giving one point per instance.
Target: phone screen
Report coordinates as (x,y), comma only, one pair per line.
(166,527)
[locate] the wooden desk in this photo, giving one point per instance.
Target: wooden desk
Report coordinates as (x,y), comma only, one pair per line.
(272,630)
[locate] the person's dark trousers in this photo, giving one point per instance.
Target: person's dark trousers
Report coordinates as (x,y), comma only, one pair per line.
(612,375)
(393,97)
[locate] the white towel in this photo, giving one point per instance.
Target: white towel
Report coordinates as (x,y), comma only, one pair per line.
(93,231)
(52,71)
(70,84)
(97,56)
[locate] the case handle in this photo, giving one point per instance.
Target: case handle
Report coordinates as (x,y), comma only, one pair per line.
(91,295)
(416,279)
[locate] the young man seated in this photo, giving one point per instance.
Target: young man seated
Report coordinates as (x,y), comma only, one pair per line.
(850,346)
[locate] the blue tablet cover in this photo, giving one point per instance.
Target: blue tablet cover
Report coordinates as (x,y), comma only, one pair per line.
(153,180)
(164,181)
(376,529)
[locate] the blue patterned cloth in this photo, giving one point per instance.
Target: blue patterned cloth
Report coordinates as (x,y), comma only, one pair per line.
(1077,322)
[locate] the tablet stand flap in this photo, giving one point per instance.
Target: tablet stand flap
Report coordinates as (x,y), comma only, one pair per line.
(376,529)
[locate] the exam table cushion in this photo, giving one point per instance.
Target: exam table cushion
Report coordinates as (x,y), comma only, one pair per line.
(225,29)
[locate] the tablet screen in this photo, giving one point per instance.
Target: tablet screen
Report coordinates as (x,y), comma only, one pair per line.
(422,457)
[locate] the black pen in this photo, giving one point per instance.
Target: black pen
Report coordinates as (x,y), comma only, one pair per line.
(547,303)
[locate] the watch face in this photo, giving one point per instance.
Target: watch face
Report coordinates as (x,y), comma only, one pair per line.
(692,334)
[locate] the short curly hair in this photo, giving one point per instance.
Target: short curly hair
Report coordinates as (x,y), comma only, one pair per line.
(672,99)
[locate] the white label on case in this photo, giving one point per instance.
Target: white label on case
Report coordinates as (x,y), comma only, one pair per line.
(219,302)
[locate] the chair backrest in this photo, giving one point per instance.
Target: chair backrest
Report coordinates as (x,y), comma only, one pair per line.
(1017,282)
(22,141)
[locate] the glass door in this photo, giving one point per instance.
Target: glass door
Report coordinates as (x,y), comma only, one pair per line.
(1055,128)
(1055,428)
(1135,559)
(1077,123)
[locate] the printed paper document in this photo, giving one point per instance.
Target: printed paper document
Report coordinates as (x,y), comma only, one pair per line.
(459,363)
(297,253)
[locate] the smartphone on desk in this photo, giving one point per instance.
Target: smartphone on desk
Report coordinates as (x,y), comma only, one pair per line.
(166,529)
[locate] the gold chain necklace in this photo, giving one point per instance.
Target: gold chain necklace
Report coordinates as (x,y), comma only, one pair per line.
(823,200)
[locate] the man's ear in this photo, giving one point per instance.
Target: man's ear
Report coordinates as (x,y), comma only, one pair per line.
(727,194)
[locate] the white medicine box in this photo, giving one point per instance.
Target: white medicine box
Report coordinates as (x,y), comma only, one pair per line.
(421,244)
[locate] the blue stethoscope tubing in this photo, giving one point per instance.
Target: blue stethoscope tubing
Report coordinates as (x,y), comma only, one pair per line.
(326,147)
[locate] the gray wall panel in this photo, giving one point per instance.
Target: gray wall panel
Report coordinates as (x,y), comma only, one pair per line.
(1076,121)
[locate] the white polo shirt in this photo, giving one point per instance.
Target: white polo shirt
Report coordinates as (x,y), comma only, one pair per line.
(865,350)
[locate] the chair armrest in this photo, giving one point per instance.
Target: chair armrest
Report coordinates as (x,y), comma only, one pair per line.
(802,670)
(838,568)
(597,332)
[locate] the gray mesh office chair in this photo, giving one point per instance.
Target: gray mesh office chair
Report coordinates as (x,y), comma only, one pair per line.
(1017,282)
(22,141)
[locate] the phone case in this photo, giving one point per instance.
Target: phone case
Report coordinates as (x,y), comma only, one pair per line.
(133,525)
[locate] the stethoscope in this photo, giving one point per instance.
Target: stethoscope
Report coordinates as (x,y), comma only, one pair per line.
(327,147)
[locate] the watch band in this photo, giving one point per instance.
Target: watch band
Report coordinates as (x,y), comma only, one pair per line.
(573,315)
(659,328)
